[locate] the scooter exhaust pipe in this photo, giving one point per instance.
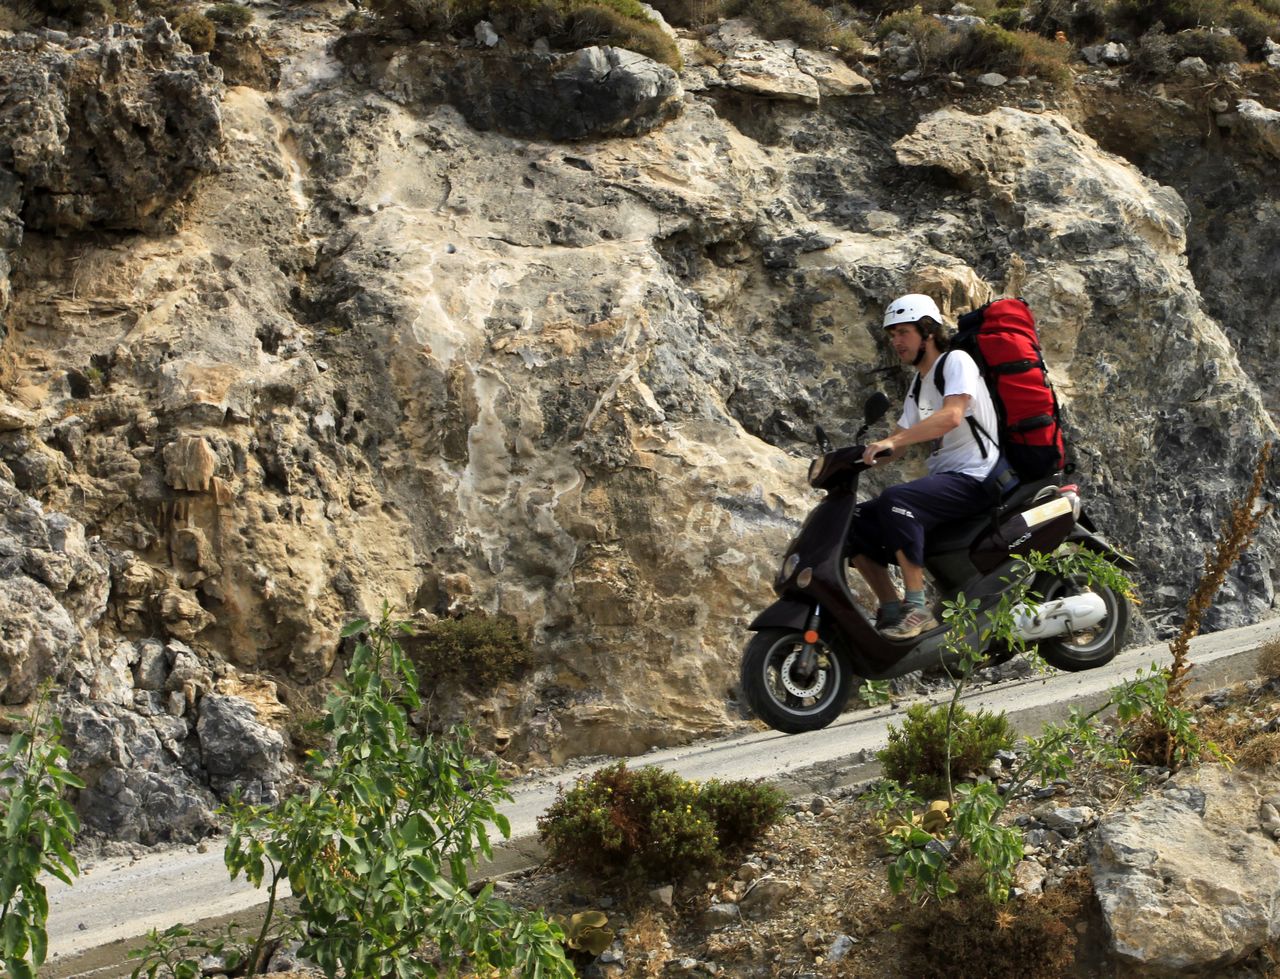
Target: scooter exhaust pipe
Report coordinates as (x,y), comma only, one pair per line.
(1070,614)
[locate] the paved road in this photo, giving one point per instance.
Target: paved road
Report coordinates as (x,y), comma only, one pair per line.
(124,898)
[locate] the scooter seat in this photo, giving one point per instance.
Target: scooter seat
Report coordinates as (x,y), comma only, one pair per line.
(960,535)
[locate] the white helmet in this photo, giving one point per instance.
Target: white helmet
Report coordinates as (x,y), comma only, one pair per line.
(911,309)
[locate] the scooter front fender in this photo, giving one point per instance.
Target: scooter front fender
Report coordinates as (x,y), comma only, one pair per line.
(785,613)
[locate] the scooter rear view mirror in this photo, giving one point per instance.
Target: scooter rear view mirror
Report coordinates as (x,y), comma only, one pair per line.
(875,407)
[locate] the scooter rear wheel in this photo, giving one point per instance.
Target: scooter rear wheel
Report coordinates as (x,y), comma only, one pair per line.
(780,696)
(1090,648)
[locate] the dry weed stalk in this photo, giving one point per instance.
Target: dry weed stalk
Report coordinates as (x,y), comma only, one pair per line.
(1236,533)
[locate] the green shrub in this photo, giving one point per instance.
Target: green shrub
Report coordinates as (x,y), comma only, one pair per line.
(475,650)
(18,18)
(741,810)
(883,8)
(989,48)
(1081,20)
(1254,26)
(798,20)
(648,822)
(929,39)
(1155,54)
(197,30)
(305,727)
(232,16)
(688,13)
(1214,49)
(81,12)
(565,24)
(1010,18)
(1141,16)
(917,753)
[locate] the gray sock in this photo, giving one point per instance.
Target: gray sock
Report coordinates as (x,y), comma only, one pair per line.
(915,598)
(891,610)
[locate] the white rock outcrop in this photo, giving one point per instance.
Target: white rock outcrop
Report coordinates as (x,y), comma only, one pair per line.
(1187,882)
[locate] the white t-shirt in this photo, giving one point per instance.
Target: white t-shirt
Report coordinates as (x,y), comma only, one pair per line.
(957,451)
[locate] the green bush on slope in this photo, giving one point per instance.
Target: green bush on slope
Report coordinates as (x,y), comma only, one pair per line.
(564,24)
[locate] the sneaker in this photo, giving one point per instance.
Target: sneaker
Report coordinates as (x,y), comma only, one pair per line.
(916,621)
(885,620)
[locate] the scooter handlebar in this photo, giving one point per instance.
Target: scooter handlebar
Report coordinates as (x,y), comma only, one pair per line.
(847,463)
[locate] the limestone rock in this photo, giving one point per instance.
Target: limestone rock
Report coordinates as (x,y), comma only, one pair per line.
(590,93)
(834,77)
(190,463)
(79,120)
(237,750)
(780,69)
(53,592)
(719,915)
(245,58)
(769,70)
(1260,125)
(397,353)
(765,895)
(1195,67)
(1186,883)
(137,784)
(37,636)
(1113,53)
(13,418)
(183,615)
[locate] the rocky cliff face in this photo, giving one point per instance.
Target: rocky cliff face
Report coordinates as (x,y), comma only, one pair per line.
(272,357)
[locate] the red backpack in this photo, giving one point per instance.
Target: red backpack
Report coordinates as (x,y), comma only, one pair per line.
(1001,337)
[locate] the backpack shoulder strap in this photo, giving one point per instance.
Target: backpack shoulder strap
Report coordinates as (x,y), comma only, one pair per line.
(938,380)
(980,434)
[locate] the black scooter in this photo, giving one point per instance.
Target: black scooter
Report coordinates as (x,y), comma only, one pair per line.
(799,670)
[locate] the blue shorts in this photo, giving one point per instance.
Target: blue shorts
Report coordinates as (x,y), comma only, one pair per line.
(898,519)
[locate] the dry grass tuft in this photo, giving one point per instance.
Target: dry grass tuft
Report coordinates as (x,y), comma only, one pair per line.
(1269,660)
(1262,752)
(646,944)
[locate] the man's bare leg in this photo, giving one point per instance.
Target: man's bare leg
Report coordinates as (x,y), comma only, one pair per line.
(877,576)
(918,618)
(912,574)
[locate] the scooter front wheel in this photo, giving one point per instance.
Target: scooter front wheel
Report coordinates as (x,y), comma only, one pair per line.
(778,690)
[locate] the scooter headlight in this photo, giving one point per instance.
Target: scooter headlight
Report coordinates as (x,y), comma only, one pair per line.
(815,469)
(789,567)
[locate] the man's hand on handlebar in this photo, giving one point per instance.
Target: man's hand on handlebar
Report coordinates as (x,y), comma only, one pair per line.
(877,450)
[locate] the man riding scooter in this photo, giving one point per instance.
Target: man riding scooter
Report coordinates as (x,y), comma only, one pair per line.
(954,418)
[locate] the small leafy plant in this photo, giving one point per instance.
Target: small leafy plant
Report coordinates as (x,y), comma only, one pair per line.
(176,953)
(377,851)
(36,835)
(585,932)
(648,822)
